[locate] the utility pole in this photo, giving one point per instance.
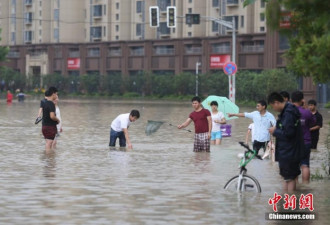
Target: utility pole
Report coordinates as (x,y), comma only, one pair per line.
(197,65)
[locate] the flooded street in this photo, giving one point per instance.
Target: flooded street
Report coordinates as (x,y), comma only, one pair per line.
(160,181)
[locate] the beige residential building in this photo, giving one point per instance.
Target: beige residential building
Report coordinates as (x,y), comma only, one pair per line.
(77,21)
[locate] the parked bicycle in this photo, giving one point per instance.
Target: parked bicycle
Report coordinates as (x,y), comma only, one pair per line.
(244,182)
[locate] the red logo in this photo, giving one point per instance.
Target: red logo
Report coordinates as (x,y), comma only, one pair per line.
(218,61)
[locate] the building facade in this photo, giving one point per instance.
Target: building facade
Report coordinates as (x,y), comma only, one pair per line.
(78,21)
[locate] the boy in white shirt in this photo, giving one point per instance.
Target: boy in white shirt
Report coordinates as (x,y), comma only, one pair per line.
(119,128)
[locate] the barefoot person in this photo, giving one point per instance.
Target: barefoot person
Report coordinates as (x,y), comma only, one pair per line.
(119,128)
(203,125)
(49,122)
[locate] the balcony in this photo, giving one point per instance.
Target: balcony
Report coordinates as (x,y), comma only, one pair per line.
(96,33)
(97,12)
(232,3)
(28,18)
(28,3)
(253,48)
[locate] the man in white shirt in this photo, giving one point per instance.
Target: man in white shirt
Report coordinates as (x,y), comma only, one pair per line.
(263,120)
(119,128)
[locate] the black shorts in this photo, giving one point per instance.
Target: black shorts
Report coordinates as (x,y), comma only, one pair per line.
(289,170)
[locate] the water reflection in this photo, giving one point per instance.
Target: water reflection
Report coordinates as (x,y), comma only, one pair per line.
(48,158)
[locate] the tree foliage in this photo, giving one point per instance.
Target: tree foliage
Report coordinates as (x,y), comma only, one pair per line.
(309,35)
(3,51)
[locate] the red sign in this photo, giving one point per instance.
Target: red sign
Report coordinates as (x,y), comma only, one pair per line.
(285,20)
(73,63)
(218,61)
(230,68)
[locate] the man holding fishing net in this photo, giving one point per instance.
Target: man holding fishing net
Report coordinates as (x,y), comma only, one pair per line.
(203,125)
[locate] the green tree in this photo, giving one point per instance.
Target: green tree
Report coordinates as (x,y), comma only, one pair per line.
(12,79)
(309,35)
(3,51)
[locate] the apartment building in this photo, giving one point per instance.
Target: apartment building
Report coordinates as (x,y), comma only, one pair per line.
(77,21)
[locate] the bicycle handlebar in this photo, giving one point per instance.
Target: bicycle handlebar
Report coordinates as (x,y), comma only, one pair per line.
(249,150)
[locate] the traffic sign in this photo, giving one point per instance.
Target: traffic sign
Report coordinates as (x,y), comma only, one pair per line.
(230,68)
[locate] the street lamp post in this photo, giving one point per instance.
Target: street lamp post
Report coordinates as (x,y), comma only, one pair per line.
(197,65)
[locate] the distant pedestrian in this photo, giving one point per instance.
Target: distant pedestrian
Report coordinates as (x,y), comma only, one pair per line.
(285,95)
(217,119)
(307,122)
(315,130)
(262,120)
(203,125)
(9,97)
(119,128)
(287,134)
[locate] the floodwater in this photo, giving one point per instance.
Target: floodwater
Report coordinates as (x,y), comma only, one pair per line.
(160,181)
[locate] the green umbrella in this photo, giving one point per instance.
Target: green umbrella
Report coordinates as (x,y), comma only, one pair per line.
(224,105)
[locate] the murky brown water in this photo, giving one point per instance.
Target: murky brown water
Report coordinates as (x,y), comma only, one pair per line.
(161,181)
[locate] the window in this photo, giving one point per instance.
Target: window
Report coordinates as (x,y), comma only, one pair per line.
(262,29)
(117,37)
(283,42)
(13,19)
(28,36)
(74,53)
(93,52)
(164,50)
(193,49)
(40,32)
(117,5)
(215,27)
(104,10)
(13,36)
(138,6)
(190,1)
(189,34)
(139,50)
(189,10)
(163,4)
(164,29)
(242,21)
(215,3)
(138,29)
(28,18)
(117,16)
(223,47)
(40,13)
(56,14)
(56,34)
(104,32)
(96,32)
(114,51)
(117,28)
(262,16)
(40,3)
(97,10)
(262,3)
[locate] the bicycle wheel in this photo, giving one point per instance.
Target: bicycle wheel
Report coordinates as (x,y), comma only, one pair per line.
(250,184)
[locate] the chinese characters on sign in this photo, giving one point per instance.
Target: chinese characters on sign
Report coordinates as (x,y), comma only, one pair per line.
(73,63)
(218,61)
(305,201)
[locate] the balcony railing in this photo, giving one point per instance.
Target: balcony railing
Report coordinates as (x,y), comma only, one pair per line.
(13,54)
(28,2)
(232,2)
(164,51)
(253,48)
(221,49)
(194,50)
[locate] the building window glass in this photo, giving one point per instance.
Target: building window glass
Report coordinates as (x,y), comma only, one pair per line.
(262,3)
(215,27)
(215,3)
(189,34)
(97,10)
(138,6)
(117,28)
(56,34)
(74,53)
(104,31)
(193,49)
(105,10)
(114,51)
(189,10)
(190,1)
(164,50)
(117,16)
(262,16)
(223,47)
(56,14)
(138,29)
(117,37)
(96,32)
(136,51)
(93,52)
(262,29)
(163,4)
(164,29)
(242,21)
(117,5)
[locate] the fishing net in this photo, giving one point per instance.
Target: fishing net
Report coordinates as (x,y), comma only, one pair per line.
(153,126)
